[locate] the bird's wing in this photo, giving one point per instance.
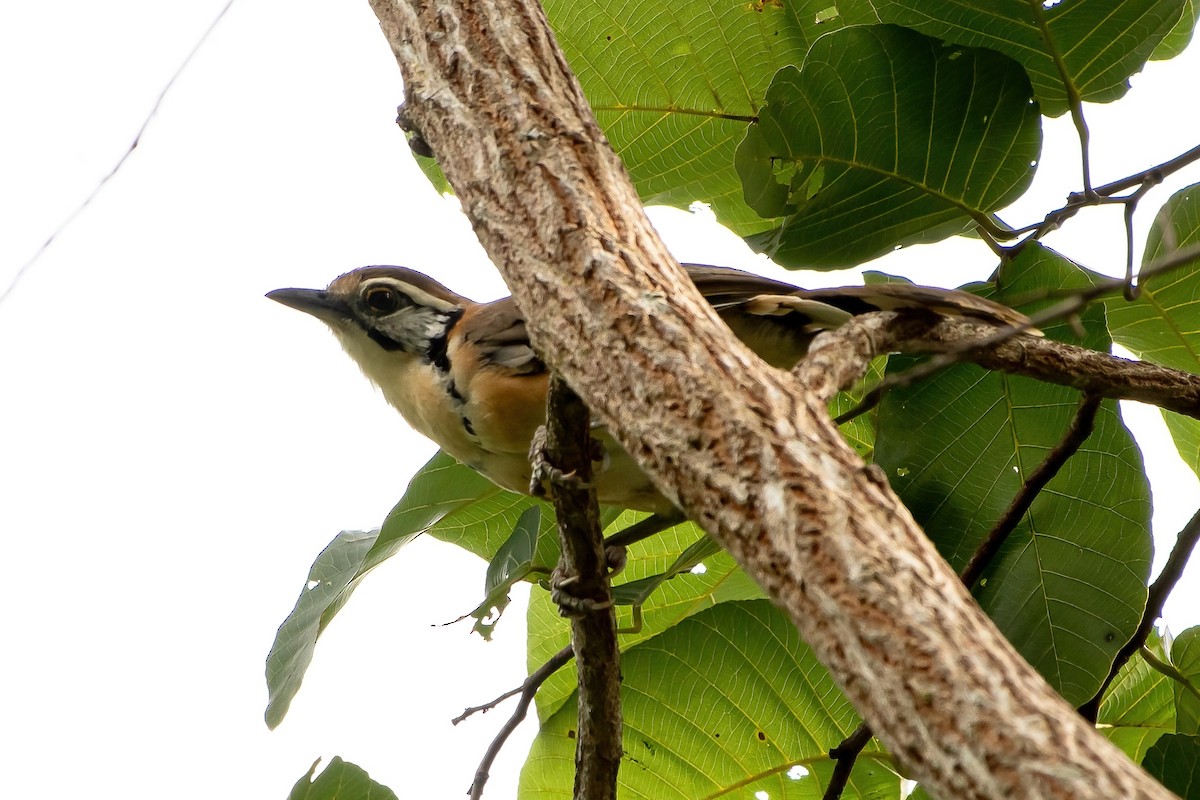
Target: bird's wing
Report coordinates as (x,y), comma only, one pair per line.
(498,331)
(778,320)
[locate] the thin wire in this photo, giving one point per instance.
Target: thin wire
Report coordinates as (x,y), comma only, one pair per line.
(16,279)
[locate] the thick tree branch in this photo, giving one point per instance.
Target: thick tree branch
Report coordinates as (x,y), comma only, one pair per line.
(745,450)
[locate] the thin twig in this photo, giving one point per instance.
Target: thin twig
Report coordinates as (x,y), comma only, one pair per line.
(12,285)
(1102,195)
(844,757)
(1160,590)
(528,690)
(644,529)
(1080,429)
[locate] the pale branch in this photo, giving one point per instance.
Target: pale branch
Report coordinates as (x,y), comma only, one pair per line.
(990,338)
(1160,590)
(846,353)
(1081,427)
(742,448)
(528,690)
(582,589)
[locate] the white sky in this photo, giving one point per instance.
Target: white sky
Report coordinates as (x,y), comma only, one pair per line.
(176,449)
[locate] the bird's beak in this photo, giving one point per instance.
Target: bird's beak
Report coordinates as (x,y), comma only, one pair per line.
(318,302)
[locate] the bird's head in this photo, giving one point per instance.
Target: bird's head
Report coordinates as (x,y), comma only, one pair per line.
(382,315)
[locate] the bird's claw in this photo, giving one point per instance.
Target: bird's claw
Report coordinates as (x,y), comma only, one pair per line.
(543,472)
(569,604)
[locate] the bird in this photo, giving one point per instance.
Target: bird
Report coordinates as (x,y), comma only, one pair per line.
(465,375)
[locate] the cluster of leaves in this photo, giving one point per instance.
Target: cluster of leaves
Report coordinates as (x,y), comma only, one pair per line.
(827,136)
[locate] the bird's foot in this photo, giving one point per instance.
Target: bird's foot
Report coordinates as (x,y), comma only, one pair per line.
(544,472)
(563,592)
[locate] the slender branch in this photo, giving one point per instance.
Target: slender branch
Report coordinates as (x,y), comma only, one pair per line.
(1160,590)
(1154,174)
(582,589)
(1080,429)
(659,110)
(845,755)
(528,691)
(1103,195)
(137,139)
(644,529)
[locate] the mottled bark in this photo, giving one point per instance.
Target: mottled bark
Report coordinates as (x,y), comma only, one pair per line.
(585,596)
(839,358)
(744,449)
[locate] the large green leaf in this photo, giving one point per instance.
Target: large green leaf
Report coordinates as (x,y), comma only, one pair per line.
(1185,656)
(719,580)
(885,137)
(1175,761)
(730,702)
(674,86)
(447,500)
(341,780)
(329,583)
(1163,324)
(1069,586)
(1139,706)
(1180,36)
(1099,43)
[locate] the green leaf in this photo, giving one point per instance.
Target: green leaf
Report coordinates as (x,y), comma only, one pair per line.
(1100,43)
(513,562)
(1185,656)
(1163,324)
(1140,695)
(339,781)
(1175,762)
(1139,706)
(675,86)
(1177,40)
(672,601)
(329,583)
(445,498)
(885,137)
(1069,586)
(727,703)
(433,173)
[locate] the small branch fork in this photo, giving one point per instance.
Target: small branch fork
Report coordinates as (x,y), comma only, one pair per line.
(528,690)
(1109,193)
(1081,427)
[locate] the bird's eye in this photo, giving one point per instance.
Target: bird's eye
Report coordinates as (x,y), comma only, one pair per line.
(381,299)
